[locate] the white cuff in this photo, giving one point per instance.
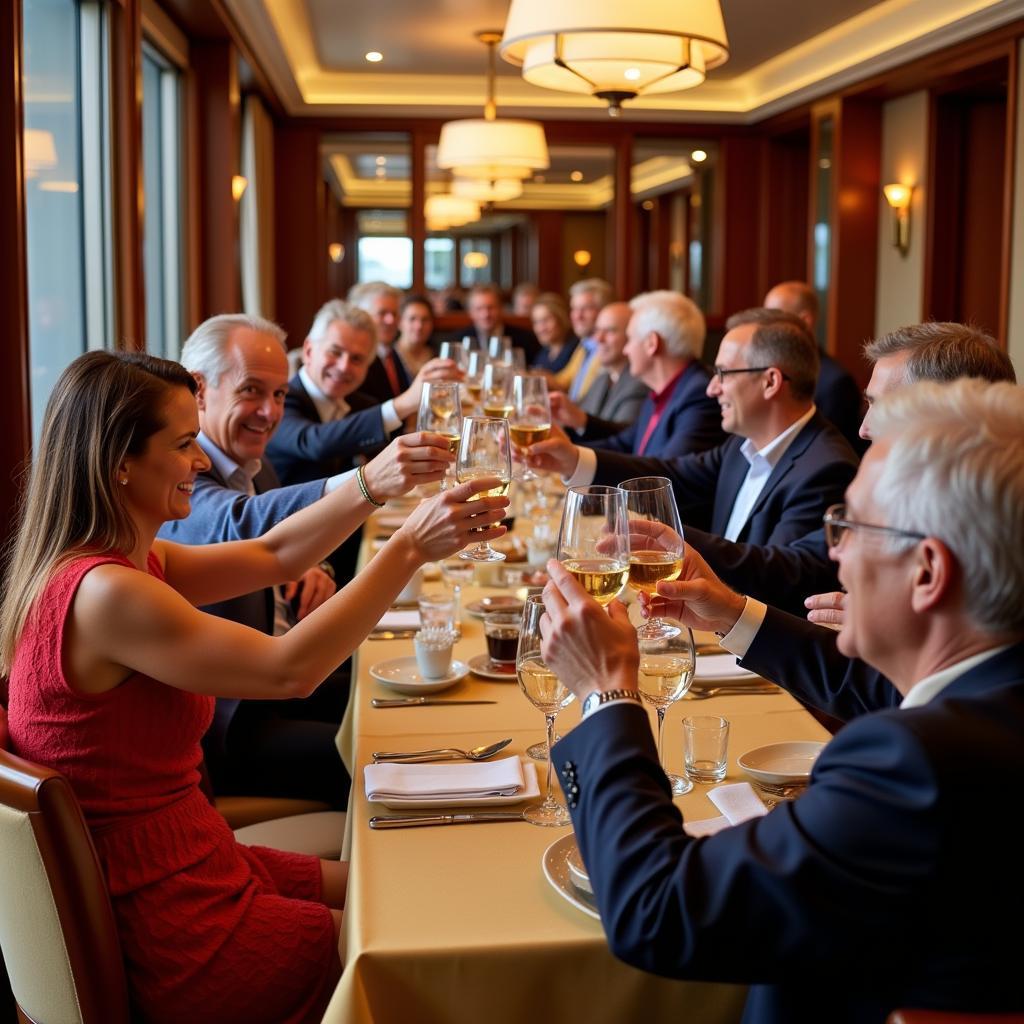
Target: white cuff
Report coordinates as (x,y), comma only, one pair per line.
(738,640)
(334,482)
(586,468)
(391,419)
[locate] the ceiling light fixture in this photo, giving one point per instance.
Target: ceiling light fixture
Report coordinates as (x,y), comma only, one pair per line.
(698,156)
(614,51)
(375,56)
(239,183)
(576,176)
(447,211)
(483,190)
(487,147)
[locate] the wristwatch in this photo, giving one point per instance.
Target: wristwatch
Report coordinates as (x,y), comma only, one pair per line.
(594,700)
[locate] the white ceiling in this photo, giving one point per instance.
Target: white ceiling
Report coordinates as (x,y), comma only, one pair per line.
(781,52)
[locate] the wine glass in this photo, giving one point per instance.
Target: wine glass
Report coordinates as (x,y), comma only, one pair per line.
(474,379)
(484,450)
(497,386)
(653,554)
(593,542)
(441,413)
(497,345)
(666,671)
(455,351)
(530,418)
(544,691)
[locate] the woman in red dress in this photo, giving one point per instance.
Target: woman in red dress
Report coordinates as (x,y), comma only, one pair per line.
(113,673)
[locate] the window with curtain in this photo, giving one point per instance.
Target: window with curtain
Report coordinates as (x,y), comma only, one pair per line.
(164,221)
(67,187)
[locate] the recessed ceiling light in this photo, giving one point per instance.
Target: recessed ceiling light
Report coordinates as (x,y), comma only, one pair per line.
(576,176)
(647,204)
(698,156)
(375,56)
(381,161)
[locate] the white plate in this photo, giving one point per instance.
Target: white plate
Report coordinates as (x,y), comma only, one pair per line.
(402,674)
(530,789)
(781,763)
(555,863)
(488,605)
(481,665)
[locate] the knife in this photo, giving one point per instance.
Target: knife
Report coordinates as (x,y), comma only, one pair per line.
(412,702)
(398,821)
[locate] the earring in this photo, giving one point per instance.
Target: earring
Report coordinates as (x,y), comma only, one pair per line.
(124,482)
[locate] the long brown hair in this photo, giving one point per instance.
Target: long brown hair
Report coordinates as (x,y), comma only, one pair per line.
(104,407)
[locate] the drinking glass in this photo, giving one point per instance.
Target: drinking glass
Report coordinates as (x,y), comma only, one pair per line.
(497,346)
(666,671)
(474,380)
(530,419)
(441,413)
(544,691)
(484,450)
(455,351)
(593,542)
(658,554)
(497,386)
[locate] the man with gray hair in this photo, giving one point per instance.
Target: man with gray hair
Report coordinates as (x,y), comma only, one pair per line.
(329,420)
(586,299)
(386,376)
(784,465)
(283,748)
(876,855)
(664,341)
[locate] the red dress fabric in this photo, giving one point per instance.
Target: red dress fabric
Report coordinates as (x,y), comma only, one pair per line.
(211,930)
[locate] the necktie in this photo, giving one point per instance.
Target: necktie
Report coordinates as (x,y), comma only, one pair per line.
(392,371)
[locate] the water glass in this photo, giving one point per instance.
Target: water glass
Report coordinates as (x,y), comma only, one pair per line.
(705,747)
(439,610)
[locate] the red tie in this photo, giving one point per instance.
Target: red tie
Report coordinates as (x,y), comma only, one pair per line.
(652,424)
(392,371)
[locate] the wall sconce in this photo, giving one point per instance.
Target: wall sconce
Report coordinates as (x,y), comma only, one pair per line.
(336,251)
(475,260)
(581,257)
(239,183)
(898,197)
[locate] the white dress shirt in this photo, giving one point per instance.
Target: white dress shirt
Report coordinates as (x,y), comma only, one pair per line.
(762,462)
(331,409)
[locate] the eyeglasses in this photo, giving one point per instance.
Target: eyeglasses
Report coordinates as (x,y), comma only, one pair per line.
(837,526)
(722,373)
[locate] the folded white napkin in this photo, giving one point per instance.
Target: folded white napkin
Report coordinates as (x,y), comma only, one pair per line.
(444,781)
(400,618)
(738,802)
(721,666)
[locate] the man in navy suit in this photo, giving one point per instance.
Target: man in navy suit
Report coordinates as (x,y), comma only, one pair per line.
(837,395)
(283,748)
(893,881)
(386,376)
(771,481)
(664,341)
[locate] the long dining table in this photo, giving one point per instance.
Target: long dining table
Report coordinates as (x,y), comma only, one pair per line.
(458,924)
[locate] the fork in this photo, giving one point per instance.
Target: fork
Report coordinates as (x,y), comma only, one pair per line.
(442,753)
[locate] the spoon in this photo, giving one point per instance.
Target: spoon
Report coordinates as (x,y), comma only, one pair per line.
(731,691)
(442,753)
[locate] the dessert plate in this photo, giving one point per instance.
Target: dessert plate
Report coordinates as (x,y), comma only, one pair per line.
(555,864)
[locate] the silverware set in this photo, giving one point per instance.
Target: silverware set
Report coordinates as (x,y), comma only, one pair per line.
(416,702)
(737,688)
(480,753)
(418,821)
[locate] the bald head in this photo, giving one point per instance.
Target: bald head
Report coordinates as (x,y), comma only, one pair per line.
(796,297)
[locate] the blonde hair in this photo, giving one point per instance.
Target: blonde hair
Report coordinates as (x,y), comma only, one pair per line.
(104,407)
(555,305)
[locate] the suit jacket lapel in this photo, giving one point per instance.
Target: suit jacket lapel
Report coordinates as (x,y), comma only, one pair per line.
(730,480)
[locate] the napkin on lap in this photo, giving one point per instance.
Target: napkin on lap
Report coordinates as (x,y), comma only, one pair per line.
(444,781)
(400,619)
(738,802)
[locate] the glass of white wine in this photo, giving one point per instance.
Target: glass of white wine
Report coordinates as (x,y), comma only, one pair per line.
(441,413)
(655,545)
(593,542)
(484,450)
(456,352)
(544,691)
(530,418)
(474,379)
(666,671)
(496,394)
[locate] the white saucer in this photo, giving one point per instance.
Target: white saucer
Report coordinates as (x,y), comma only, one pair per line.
(781,763)
(482,665)
(402,674)
(498,603)
(555,864)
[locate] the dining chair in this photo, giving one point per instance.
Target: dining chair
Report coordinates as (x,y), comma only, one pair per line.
(57,928)
(946,1017)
